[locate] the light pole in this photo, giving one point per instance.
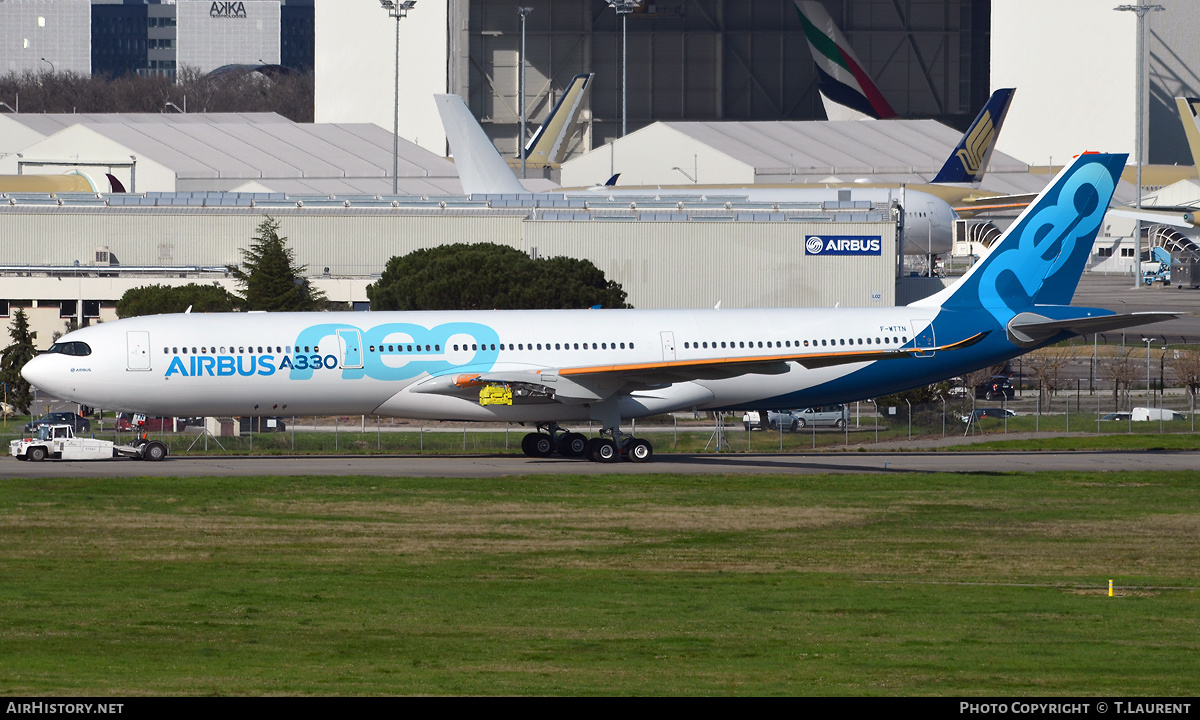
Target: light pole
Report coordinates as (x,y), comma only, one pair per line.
(1141,11)
(1147,340)
(623,8)
(523,12)
(50,64)
(397,10)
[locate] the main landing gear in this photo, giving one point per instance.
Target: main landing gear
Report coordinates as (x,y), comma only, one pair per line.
(551,439)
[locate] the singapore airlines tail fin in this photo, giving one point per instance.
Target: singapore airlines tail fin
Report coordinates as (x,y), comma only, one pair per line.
(969,161)
(847,92)
(480,167)
(548,146)
(1189,114)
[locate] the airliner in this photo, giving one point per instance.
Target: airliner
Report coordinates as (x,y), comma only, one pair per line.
(928,218)
(555,368)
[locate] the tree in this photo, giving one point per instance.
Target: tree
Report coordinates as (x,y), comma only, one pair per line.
(19,352)
(1047,365)
(1186,366)
(269,279)
(926,402)
(158,299)
(290,94)
(1121,370)
(484,276)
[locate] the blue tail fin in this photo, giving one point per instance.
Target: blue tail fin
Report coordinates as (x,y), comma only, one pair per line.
(969,161)
(1039,259)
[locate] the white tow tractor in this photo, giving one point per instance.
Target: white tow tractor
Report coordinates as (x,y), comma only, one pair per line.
(59,442)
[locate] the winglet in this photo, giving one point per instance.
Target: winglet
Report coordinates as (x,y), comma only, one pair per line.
(480,167)
(969,161)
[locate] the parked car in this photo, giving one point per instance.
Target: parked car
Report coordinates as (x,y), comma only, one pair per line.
(775,418)
(981,413)
(151,424)
(77,422)
(996,387)
(1122,416)
(826,416)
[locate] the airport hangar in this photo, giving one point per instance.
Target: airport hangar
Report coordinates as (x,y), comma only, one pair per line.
(202,183)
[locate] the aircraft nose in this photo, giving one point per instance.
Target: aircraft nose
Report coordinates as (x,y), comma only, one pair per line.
(38,373)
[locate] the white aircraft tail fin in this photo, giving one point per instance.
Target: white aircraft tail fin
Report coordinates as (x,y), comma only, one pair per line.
(480,167)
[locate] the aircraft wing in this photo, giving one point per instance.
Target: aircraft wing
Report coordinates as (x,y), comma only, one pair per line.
(973,205)
(597,382)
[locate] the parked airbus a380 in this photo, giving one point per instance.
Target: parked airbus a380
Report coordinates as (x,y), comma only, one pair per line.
(552,367)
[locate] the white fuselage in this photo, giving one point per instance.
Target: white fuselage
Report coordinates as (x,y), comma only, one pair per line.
(377,362)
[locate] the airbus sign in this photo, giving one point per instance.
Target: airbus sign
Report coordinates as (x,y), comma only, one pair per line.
(843,245)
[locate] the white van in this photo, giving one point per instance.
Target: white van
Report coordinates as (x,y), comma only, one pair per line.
(1142,414)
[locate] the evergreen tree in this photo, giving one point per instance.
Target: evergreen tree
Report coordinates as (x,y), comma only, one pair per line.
(21,351)
(483,276)
(268,278)
(159,299)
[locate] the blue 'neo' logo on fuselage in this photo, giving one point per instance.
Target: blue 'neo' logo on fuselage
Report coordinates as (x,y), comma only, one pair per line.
(843,245)
(395,351)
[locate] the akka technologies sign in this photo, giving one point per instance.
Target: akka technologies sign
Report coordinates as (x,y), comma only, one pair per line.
(227,10)
(843,245)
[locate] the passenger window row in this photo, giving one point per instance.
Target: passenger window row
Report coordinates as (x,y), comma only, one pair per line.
(776,344)
(548,346)
(238,350)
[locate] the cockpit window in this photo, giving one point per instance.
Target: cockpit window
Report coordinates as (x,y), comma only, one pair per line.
(78,349)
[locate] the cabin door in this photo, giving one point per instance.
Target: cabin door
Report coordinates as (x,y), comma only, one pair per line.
(923,336)
(138,344)
(351,348)
(668,345)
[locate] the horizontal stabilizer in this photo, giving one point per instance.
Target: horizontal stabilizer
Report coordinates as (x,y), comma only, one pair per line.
(1178,219)
(1030,328)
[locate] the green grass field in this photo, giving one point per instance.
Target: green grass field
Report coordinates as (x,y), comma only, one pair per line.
(988,584)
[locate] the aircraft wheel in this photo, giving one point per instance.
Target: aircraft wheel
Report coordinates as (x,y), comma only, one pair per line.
(589,449)
(35,454)
(605,451)
(525,444)
(640,451)
(572,445)
(541,445)
(155,451)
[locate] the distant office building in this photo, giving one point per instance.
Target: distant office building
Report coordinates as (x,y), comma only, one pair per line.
(45,35)
(117,37)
